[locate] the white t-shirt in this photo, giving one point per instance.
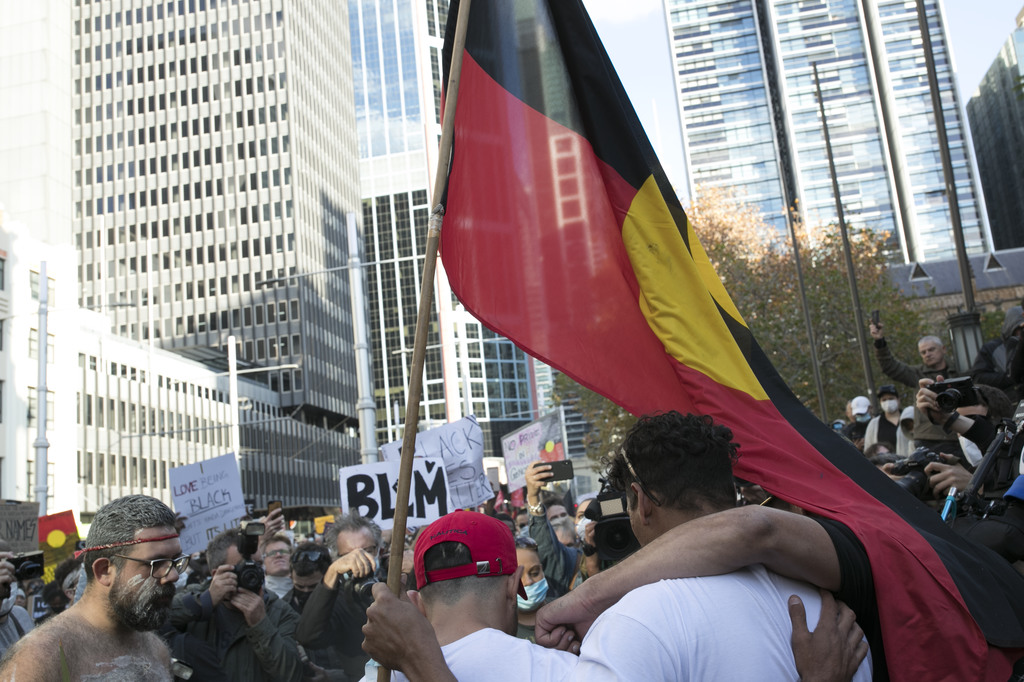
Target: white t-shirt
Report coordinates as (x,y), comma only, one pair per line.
(727,627)
(496,657)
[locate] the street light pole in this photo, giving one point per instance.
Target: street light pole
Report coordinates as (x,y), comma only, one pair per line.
(42,445)
(365,405)
(233,398)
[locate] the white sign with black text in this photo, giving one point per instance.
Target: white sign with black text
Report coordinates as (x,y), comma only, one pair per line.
(371,489)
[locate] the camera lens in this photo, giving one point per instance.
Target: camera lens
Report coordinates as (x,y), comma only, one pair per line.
(948,400)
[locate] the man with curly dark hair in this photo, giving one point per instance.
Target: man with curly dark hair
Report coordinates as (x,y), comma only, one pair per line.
(674,469)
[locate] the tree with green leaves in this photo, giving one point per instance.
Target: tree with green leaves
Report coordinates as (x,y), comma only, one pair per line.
(756,265)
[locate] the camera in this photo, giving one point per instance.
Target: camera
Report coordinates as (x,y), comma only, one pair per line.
(27,565)
(613,536)
(915,480)
(250,574)
(954,393)
(361,589)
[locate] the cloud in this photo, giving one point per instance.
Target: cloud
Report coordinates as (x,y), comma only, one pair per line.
(619,12)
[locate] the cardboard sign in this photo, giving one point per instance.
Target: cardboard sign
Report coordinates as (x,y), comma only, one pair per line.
(209,495)
(542,439)
(461,445)
(58,535)
(19,525)
(370,489)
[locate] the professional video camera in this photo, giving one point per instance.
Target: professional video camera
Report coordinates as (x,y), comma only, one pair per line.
(613,536)
(915,480)
(954,393)
(250,574)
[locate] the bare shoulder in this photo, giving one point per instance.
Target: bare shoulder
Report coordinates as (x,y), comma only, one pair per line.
(37,655)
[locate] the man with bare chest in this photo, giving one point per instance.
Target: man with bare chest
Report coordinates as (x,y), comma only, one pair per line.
(132,559)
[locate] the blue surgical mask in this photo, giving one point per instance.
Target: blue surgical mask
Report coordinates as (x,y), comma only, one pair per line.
(863,418)
(535,594)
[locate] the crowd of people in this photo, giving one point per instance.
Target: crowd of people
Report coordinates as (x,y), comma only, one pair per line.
(721,587)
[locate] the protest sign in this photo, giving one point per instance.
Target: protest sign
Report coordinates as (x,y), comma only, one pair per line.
(461,445)
(541,439)
(370,489)
(209,494)
(58,535)
(19,525)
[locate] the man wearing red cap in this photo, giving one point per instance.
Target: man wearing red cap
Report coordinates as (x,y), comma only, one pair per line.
(468,578)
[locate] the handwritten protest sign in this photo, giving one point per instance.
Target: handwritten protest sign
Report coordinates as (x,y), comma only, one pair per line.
(210,494)
(461,445)
(370,489)
(19,525)
(542,439)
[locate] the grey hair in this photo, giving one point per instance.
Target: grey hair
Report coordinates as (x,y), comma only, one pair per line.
(217,550)
(120,520)
(933,339)
(351,523)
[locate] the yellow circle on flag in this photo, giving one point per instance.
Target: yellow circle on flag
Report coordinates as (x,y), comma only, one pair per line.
(56,538)
(549,446)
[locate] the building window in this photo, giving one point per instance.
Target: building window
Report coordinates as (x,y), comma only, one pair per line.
(2,262)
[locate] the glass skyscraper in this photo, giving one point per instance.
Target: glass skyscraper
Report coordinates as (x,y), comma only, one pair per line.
(996,114)
(396,59)
(750,120)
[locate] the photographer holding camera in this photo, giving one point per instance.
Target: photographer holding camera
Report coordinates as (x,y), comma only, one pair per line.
(336,610)
(14,620)
(971,413)
(251,631)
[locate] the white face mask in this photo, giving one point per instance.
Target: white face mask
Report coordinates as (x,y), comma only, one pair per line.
(890,406)
(971,451)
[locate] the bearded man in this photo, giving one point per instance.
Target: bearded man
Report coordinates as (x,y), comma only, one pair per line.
(132,559)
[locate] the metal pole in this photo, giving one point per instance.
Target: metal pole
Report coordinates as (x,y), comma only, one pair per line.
(365,406)
(791,222)
(233,399)
(42,445)
(412,409)
(850,273)
(947,164)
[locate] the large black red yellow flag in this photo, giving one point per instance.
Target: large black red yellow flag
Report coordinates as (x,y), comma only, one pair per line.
(562,233)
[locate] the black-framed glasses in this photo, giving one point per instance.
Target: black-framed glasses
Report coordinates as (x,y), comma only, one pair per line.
(160,568)
(632,471)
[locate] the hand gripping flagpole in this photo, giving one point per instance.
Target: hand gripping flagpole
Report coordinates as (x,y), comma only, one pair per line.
(412,406)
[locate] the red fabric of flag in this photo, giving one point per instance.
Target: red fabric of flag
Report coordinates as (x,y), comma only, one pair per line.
(562,233)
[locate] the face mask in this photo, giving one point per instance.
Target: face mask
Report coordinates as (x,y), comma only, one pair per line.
(581,529)
(535,594)
(890,406)
(971,451)
(863,418)
(300,598)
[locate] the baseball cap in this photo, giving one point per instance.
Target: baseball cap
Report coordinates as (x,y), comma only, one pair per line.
(860,405)
(490,543)
(887,388)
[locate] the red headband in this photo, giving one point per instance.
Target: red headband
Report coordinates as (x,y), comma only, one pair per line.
(126,543)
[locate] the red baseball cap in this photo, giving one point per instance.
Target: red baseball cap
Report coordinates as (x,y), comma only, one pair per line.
(490,543)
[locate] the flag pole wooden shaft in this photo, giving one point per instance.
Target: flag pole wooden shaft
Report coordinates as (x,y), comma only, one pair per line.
(412,406)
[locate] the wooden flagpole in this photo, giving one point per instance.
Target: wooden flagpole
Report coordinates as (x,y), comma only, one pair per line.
(419,352)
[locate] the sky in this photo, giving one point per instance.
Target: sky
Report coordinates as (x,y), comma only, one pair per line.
(637,42)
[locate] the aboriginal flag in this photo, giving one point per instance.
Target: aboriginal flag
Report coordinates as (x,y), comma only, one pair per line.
(562,233)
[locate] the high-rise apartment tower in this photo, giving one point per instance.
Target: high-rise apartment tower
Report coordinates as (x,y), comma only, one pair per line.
(750,121)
